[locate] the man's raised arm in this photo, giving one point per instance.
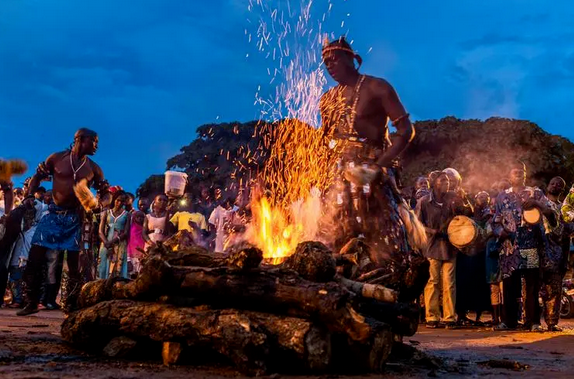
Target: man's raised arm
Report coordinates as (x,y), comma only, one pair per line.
(400,119)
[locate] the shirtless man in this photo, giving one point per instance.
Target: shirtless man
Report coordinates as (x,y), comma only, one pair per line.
(60,229)
(356,113)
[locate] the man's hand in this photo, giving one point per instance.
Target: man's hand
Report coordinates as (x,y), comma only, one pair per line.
(533,203)
(43,172)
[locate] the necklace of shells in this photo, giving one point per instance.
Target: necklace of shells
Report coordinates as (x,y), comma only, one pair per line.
(350,116)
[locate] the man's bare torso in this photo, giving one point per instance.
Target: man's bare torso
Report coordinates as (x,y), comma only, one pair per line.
(371,118)
(63,178)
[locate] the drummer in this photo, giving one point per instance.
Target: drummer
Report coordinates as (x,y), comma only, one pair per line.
(460,198)
(522,245)
(435,211)
(555,258)
(472,290)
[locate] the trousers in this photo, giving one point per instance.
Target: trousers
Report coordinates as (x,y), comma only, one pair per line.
(444,271)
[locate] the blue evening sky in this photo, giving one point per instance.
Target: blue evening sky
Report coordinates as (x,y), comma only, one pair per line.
(146,73)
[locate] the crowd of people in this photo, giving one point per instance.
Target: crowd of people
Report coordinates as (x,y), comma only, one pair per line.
(41,229)
(504,271)
(514,262)
(118,236)
(511,263)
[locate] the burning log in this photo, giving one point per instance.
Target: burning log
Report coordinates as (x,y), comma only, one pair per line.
(355,262)
(402,318)
(313,261)
(255,342)
(276,291)
(369,356)
(370,291)
(243,256)
(149,285)
(191,256)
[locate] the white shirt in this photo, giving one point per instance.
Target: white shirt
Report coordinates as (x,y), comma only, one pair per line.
(219,217)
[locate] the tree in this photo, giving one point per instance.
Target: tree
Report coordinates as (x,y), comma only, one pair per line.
(483,150)
(223,155)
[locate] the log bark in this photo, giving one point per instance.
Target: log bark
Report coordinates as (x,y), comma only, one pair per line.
(274,291)
(244,256)
(369,291)
(149,285)
(356,262)
(402,318)
(255,342)
(313,261)
(194,256)
(362,357)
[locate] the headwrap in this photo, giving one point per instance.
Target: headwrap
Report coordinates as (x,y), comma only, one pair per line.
(85,132)
(114,189)
(342,45)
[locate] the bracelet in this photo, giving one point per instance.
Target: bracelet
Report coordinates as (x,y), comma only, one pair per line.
(398,119)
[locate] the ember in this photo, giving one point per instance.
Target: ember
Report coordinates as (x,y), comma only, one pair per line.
(301,166)
(300,160)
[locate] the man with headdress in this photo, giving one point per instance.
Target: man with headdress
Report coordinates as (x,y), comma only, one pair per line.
(522,245)
(60,229)
(355,116)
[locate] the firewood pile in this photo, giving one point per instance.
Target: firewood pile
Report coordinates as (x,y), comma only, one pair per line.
(316,312)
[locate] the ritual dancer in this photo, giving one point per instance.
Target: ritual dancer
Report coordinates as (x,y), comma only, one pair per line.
(521,247)
(356,114)
(60,229)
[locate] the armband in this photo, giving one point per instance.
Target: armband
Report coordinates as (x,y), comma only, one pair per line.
(400,118)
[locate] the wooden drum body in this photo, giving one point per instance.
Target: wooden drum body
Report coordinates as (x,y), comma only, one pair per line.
(463,232)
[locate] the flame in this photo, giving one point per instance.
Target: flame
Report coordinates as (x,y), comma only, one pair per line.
(277,237)
(286,207)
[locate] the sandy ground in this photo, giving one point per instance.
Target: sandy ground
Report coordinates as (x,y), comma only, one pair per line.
(31,347)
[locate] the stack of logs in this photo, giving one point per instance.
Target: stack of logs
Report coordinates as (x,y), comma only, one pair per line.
(308,314)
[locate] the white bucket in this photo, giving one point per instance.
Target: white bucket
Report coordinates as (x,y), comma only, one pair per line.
(175,183)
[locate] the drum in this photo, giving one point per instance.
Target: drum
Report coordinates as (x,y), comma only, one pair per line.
(532,216)
(462,233)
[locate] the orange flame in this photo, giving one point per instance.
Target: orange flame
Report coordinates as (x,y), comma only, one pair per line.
(300,167)
(300,164)
(276,236)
